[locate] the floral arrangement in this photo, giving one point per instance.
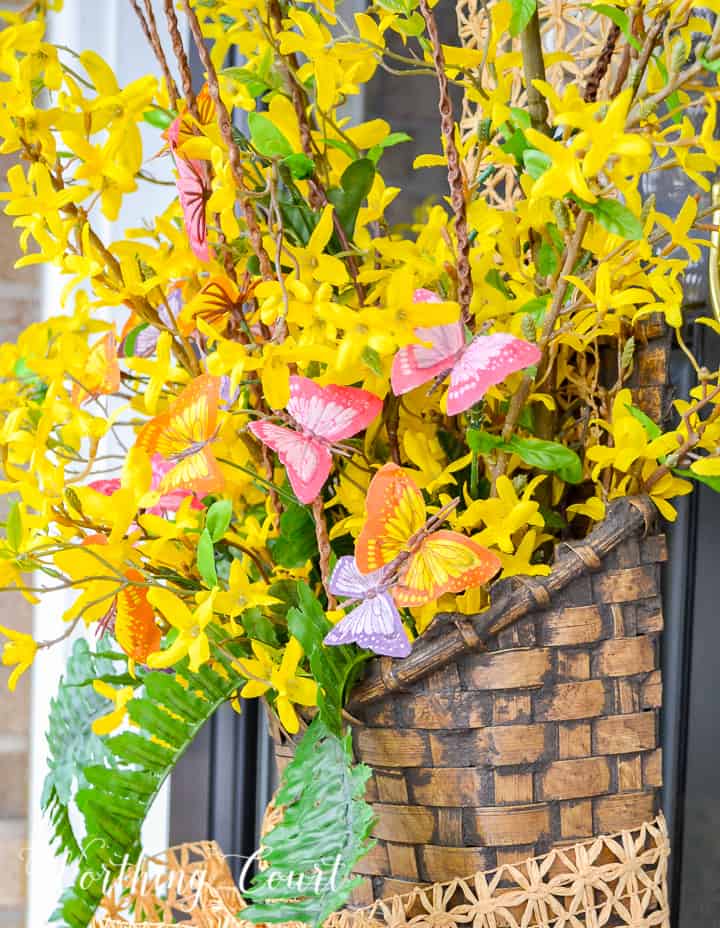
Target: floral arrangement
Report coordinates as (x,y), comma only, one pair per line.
(267,435)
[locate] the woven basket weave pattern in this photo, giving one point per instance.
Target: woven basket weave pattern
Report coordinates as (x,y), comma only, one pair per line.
(549,737)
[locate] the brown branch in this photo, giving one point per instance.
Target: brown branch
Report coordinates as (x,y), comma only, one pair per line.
(323,543)
(149,28)
(181,57)
(455,177)
(225,126)
(602,65)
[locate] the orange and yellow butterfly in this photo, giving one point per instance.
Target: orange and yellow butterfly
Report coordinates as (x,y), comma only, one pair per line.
(431,562)
(215,303)
(183,435)
(135,628)
(101,372)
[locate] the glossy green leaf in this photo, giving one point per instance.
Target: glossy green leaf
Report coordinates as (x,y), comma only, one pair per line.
(616,218)
(547,259)
(217,520)
(482,442)
(536,162)
(652,428)
(267,138)
(296,543)
(299,165)
(14,526)
(395,138)
(158,117)
(206,559)
(712,482)
(356,182)
(547,455)
(324,832)
(522,11)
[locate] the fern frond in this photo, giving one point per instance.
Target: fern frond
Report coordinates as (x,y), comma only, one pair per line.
(117,798)
(324,832)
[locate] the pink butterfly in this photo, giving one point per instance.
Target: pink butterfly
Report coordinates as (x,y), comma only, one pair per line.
(193,189)
(321,416)
(374,624)
(473,366)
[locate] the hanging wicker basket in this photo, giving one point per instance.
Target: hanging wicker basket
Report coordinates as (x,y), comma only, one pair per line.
(618,880)
(525,727)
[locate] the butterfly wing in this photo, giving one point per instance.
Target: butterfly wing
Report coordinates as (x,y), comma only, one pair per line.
(395,512)
(374,624)
(213,303)
(182,433)
(102,371)
(487,361)
(346,579)
(415,365)
(445,562)
(332,412)
(193,191)
(135,628)
(306,460)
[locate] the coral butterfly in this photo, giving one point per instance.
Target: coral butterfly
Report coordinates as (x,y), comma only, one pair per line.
(320,416)
(375,623)
(102,371)
(429,561)
(183,434)
(473,366)
(216,303)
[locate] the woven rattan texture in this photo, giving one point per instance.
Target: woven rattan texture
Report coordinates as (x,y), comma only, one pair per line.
(550,737)
(618,880)
(573,39)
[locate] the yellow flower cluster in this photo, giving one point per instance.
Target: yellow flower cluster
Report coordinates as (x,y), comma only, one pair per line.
(132,444)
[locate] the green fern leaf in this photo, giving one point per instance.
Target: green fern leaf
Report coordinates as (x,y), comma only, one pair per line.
(324,832)
(118,793)
(72,743)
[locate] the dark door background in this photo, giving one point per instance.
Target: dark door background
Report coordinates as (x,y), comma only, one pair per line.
(221,786)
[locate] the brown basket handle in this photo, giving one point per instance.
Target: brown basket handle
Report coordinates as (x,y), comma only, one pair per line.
(453,634)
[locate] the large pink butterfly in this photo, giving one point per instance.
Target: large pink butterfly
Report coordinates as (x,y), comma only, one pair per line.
(193,189)
(473,366)
(320,416)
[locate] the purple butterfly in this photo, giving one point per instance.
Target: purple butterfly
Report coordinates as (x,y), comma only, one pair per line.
(374,624)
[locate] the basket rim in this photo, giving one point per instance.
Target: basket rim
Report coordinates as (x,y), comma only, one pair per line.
(451,635)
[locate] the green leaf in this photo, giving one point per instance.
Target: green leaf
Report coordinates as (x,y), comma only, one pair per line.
(536,162)
(372,359)
(547,259)
(482,442)
(412,25)
(324,832)
(395,138)
(712,482)
(14,526)
(713,65)
(620,18)
(356,182)
(259,627)
(114,801)
(331,667)
(536,308)
(158,117)
(547,455)
(267,138)
(72,744)
(616,218)
(254,84)
(522,11)
(206,559)
(296,543)
(652,428)
(299,165)
(217,520)
(130,340)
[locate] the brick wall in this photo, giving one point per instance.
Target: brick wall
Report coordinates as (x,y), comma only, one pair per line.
(19,305)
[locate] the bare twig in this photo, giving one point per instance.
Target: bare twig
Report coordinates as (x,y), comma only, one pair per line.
(602,65)
(149,28)
(181,57)
(455,178)
(225,126)
(323,542)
